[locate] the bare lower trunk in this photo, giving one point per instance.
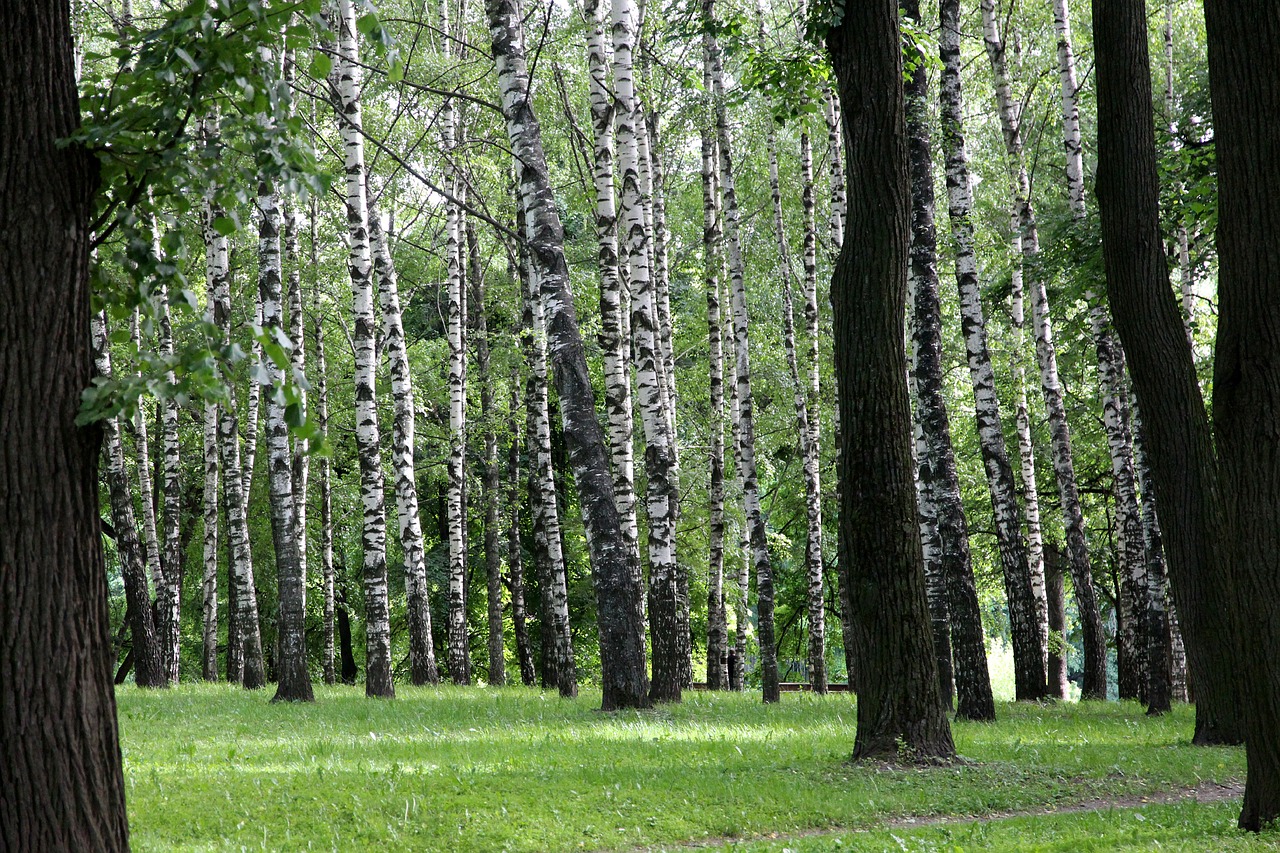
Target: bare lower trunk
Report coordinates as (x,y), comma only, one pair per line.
(515,553)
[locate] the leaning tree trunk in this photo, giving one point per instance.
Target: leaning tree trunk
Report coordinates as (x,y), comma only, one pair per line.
(63,786)
(741,604)
(148,656)
(900,712)
(1095,641)
(1028,644)
(618,595)
(293,681)
(1244,76)
(378,680)
(756,529)
(422,656)
(937,463)
(616,345)
(717,617)
(1177,433)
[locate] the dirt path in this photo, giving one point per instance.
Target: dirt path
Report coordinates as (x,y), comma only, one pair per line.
(1205,792)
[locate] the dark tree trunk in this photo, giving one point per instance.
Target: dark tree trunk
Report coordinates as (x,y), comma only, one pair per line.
(1177,434)
(63,788)
(938,465)
(349,670)
(1244,78)
(515,553)
(1057,606)
(618,594)
(900,712)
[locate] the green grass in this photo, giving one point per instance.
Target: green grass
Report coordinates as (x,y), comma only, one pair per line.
(213,767)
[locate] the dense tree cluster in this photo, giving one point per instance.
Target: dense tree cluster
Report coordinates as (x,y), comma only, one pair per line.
(602,310)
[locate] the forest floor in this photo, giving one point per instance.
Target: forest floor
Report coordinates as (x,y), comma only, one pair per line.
(459,769)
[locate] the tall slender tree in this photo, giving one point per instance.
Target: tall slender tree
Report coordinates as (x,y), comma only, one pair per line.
(1028,642)
(618,595)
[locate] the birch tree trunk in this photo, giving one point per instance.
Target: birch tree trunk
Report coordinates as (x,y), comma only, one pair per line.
(660,461)
(515,553)
(616,347)
(422,658)
(378,682)
(835,169)
(293,679)
(148,655)
(1028,643)
(1131,639)
(618,595)
(812,489)
(757,535)
(301,463)
(937,465)
(713,261)
(147,496)
(491,484)
(216,272)
(326,488)
(1095,643)
(170,493)
(1158,640)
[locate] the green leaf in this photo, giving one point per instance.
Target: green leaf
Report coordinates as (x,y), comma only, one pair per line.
(321,65)
(224,225)
(366,24)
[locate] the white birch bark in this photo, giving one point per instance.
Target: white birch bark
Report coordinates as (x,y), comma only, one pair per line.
(713,262)
(298,355)
(146,493)
(660,461)
(1028,645)
(616,346)
(378,680)
(422,658)
(216,270)
(835,167)
(293,678)
(812,486)
(756,530)
(1095,674)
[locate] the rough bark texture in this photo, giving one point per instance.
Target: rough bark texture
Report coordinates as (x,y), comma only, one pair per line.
(900,711)
(1028,642)
(1244,77)
(1057,612)
(1158,641)
(618,595)
(937,464)
(1177,434)
(63,787)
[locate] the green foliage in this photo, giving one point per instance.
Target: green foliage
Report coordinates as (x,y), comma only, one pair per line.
(213,767)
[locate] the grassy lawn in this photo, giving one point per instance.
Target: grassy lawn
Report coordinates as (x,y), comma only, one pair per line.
(214,767)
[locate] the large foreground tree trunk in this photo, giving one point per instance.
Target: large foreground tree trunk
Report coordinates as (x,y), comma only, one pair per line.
(1244,76)
(900,711)
(1176,432)
(63,787)
(618,594)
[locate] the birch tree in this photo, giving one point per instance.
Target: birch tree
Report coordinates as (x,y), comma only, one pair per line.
(1095,663)
(377,611)
(1027,639)
(618,598)
(756,532)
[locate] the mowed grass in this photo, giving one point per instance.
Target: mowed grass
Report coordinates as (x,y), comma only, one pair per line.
(456,769)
